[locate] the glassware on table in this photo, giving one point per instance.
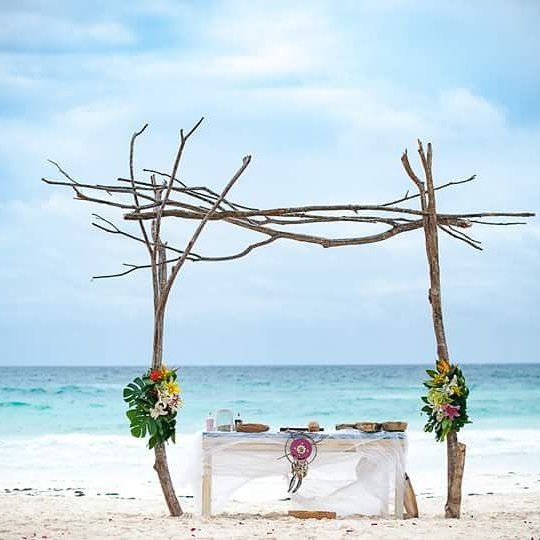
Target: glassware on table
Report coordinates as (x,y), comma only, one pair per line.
(224,420)
(210,423)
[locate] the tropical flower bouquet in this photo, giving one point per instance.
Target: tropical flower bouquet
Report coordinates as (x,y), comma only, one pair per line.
(154,400)
(446,400)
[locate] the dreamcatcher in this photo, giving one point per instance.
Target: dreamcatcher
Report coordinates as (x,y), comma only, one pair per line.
(300,450)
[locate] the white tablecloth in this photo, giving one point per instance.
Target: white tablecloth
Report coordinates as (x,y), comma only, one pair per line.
(353,473)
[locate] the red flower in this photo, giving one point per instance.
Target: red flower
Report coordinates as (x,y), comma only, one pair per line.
(155,375)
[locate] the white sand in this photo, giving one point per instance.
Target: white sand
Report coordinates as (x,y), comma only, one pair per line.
(39,482)
(24,516)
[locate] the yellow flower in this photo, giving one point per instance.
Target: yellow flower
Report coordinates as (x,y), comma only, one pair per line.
(439,378)
(172,388)
(437,398)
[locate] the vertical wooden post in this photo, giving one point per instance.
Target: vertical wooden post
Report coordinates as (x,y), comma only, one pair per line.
(455,452)
(399,488)
(161,465)
(206,484)
(454,449)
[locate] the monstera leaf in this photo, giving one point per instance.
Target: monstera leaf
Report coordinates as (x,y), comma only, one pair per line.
(139,420)
(136,395)
(136,390)
(162,429)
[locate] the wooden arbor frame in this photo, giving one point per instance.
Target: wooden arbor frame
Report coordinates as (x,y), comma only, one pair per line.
(167,196)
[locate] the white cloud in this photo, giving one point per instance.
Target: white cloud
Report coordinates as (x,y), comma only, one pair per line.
(462,109)
(279,82)
(27,30)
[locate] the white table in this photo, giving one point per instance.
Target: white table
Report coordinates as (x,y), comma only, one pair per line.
(361,472)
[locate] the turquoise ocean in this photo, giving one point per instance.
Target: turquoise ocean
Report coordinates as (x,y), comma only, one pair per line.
(60,400)
(64,430)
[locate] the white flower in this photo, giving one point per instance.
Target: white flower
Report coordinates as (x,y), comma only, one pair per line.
(160,409)
(451,387)
(174,402)
(440,414)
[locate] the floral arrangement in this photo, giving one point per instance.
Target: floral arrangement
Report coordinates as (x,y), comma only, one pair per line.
(446,400)
(154,400)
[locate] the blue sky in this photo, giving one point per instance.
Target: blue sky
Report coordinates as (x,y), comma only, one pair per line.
(325,96)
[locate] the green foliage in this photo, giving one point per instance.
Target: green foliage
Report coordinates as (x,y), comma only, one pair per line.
(446,400)
(153,401)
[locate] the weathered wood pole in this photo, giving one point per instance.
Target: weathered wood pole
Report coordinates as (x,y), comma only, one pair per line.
(455,450)
(162,283)
(160,464)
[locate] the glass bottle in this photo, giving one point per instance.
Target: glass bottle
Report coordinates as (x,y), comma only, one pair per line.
(210,423)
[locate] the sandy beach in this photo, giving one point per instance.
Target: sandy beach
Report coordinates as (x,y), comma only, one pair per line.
(45,493)
(27,516)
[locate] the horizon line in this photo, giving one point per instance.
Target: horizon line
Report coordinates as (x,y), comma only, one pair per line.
(269,365)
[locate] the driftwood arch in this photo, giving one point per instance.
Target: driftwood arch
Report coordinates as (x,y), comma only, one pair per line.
(166,196)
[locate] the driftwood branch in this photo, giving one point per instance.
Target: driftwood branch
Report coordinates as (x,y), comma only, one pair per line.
(459,235)
(193,257)
(408,197)
(431,223)
(63,172)
(178,265)
(176,164)
(269,222)
(114,229)
(134,191)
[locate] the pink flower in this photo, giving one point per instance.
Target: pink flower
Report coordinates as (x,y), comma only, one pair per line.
(451,411)
(174,402)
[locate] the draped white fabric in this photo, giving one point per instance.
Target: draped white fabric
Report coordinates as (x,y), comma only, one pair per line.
(353,472)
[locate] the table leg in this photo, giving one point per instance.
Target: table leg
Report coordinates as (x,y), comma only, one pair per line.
(207,487)
(399,480)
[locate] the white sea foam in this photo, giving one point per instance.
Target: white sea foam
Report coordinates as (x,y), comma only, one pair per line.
(497,460)
(93,463)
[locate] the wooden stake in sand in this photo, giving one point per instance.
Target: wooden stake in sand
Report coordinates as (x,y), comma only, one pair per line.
(411,506)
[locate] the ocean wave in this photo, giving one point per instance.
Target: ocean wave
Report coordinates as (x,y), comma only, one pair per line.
(79,389)
(7,404)
(34,390)
(69,388)
(87,442)
(14,404)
